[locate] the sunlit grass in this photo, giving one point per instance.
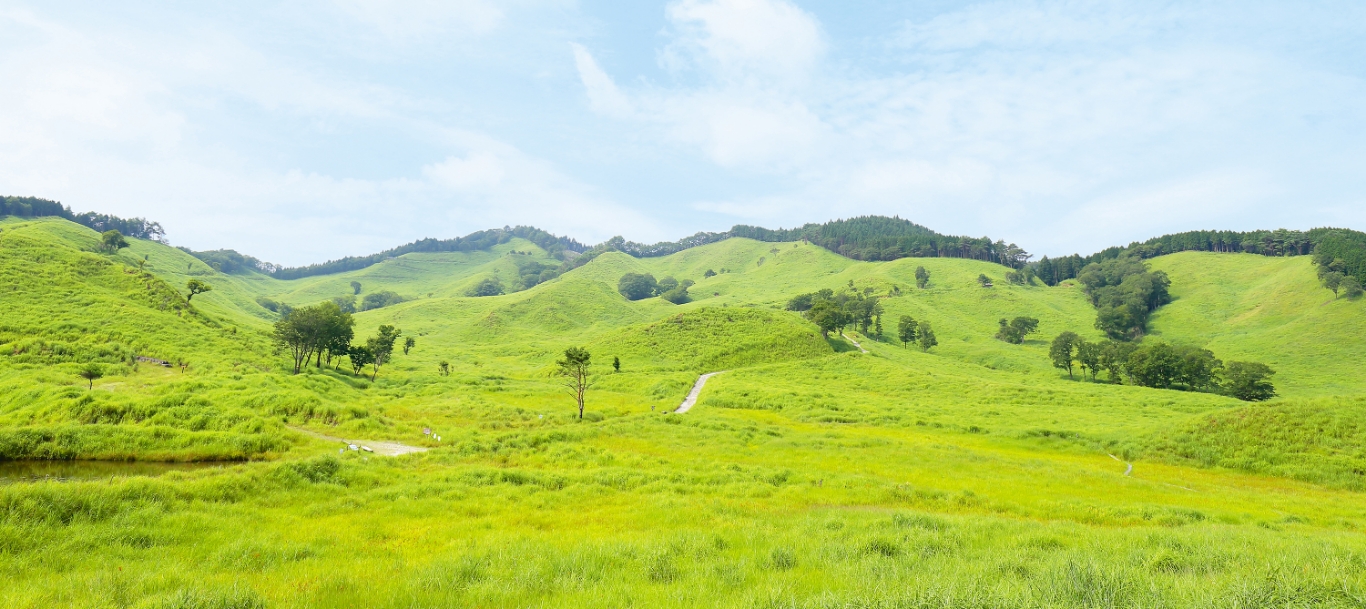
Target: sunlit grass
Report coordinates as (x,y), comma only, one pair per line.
(809,475)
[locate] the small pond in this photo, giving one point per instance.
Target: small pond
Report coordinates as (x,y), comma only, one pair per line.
(34,471)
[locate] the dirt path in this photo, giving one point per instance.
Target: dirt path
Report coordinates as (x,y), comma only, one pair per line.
(1128,470)
(385,449)
(696,390)
(860,347)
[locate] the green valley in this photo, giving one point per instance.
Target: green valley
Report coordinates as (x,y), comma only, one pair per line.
(848,470)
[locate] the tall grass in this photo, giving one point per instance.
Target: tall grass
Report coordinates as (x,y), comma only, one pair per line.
(808,475)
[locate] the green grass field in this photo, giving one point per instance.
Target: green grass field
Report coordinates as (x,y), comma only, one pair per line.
(808,475)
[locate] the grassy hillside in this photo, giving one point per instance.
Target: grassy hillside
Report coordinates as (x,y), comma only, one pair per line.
(1273,310)
(809,474)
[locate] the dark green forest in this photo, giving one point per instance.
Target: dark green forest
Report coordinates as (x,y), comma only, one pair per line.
(859,238)
(1337,243)
(33,207)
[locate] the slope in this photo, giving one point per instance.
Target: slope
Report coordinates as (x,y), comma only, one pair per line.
(806,476)
(68,305)
(1249,307)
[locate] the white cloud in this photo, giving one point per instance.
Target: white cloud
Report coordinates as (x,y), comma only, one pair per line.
(746,40)
(406,19)
(106,123)
(603,94)
(1109,118)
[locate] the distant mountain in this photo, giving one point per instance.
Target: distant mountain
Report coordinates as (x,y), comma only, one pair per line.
(859,238)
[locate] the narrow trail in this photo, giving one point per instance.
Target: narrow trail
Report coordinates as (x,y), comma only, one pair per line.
(696,390)
(1128,470)
(860,347)
(384,449)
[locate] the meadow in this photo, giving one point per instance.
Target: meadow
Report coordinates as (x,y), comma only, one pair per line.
(808,475)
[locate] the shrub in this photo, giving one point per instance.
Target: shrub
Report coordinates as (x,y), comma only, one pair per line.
(378,300)
(488,286)
(635,286)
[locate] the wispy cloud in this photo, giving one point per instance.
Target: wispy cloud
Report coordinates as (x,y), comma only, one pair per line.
(1054,123)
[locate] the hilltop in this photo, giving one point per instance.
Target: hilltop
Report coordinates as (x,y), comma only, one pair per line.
(809,472)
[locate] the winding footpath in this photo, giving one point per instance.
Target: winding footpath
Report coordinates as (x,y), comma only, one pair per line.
(384,449)
(1128,470)
(860,347)
(696,390)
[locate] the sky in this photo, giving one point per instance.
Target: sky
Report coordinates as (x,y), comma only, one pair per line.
(304,131)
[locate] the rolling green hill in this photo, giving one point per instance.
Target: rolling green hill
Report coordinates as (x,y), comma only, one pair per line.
(809,474)
(1244,306)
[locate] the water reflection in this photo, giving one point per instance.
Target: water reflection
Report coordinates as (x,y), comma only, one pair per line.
(33,471)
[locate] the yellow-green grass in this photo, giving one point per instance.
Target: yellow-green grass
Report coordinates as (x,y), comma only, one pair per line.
(1272,310)
(808,475)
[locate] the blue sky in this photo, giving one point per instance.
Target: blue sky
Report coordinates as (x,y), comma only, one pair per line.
(310,130)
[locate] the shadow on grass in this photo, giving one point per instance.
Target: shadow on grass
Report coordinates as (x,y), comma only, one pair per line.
(840,345)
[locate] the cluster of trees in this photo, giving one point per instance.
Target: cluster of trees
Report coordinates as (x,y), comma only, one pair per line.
(34,207)
(276,307)
(833,311)
(112,241)
(481,240)
(1334,274)
(1349,245)
(488,286)
(1346,246)
(1163,366)
(1125,294)
(347,303)
(1052,271)
(1015,330)
(231,262)
(324,333)
(532,273)
(637,286)
(909,331)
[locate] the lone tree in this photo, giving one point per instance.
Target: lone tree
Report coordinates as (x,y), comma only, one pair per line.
(360,357)
(983,280)
(827,316)
(1088,357)
(1249,381)
(381,346)
(906,330)
(922,277)
(355,288)
(444,368)
(91,372)
(488,286)
(574,370)
(616,364)
(1351,287)
(926,339)
(1333,281)
(1015,331)
(112,241)
(196,286)
(408,344)
(635,286)
(1063,351)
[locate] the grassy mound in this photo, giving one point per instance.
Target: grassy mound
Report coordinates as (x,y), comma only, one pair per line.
(1316,440)
(710,339)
